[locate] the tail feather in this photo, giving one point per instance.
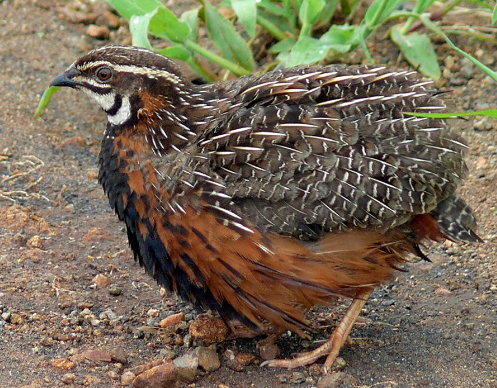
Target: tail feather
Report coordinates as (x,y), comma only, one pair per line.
(456,220)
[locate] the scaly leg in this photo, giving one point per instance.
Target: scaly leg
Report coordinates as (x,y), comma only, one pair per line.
(333,345)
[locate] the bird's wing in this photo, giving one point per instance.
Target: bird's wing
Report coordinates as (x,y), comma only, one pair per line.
(311,150)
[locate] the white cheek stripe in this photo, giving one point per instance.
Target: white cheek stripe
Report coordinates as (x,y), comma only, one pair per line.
(105,101)
(123,114)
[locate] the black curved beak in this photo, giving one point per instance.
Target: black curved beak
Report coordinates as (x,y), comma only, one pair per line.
(66,79)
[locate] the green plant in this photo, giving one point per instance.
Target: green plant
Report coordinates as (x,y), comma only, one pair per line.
(303,30)
(295,25)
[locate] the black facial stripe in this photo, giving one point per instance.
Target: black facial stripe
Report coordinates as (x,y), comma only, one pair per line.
(118,102)
(96,89)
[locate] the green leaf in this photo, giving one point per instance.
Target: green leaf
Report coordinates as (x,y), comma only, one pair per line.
(307,50)
(138,26)
(164,24)
(340,37)
(283,45)
(246,11)
(225,37)
(190,17)
(417,49)
(494,15)
(328,11)
(310,10)
(176,52)
(45,99)
(281,28)
(128,8)
(421,6)
(379,11)
(274,9)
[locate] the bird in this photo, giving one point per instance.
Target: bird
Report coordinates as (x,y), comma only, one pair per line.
(263,197)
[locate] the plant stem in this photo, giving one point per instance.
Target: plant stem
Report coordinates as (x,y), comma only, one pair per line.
(233,67)
(378,14)
(435,15)
(271,28)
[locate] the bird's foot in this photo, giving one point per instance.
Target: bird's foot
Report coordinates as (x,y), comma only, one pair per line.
(330,348)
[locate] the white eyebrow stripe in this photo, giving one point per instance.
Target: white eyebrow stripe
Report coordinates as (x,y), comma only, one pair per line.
(132,69)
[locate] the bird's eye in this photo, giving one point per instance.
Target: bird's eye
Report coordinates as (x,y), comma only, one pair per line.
(104,73)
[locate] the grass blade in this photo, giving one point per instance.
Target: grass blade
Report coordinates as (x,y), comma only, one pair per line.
(45,99)
(487,112)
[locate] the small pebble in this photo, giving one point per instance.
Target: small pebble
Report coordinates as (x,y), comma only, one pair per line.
(187,366)
(161,376)
(297,378)
(62,363)
(208,359)
(91,380)
(68,378)
(245,359)
(172,320)
(101,280)
(336,380)
(115,290)
(98,32)
(35,242)
(6,316)
(127,378)
(269,351)
(209,329)
(108,19)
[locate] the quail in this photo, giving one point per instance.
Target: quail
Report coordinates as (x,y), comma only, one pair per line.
(263,197)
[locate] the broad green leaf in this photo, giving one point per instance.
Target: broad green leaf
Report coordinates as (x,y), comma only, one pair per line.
(164,24)
(225,37)
(246,11)
(191,18)
(45,99)
(340,37)
(309,10)
(283,45)
(176,52)
(494,15)
(138,26)
(307,50)
(418,50)
(128,8)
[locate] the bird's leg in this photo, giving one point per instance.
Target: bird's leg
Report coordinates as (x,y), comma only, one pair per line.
(332,347)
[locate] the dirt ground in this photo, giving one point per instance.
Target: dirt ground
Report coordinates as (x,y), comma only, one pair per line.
(434,326)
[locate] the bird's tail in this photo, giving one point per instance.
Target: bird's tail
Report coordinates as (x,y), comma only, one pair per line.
(452,219)
(456,220)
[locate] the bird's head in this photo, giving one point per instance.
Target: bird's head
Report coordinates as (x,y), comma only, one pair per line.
(126,81)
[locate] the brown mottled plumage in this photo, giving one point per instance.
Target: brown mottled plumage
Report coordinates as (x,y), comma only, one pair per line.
(263,197)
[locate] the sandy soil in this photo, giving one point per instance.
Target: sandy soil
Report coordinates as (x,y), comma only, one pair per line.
(434,326)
